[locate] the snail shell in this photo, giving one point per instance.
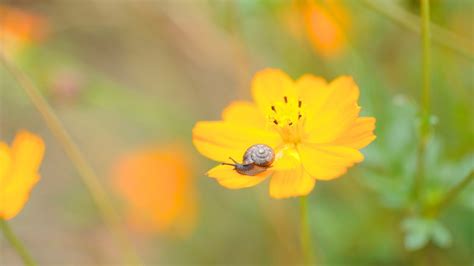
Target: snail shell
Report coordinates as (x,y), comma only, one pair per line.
(257,159)
(259,154)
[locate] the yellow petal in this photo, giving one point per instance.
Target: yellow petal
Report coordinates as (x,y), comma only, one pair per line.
(359,135)
(291,183)
(5,163)
(271,85)
(289,178)
(221,140)
(27,151)
(328,162)
(15,195)
(244,113)
(311,89)
(286,158)
(314,92)
(229,178)
(333,112)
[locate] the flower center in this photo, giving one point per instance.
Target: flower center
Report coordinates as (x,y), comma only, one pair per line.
(287,118)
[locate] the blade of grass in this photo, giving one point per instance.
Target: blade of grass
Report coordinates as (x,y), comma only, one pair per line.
(16,243)
(86,172)
(411,22)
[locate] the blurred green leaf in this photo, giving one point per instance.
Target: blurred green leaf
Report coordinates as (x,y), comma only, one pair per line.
(391,160)
(441,236)
(419,231)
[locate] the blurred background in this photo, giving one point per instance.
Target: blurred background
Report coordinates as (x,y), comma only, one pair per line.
(129,79)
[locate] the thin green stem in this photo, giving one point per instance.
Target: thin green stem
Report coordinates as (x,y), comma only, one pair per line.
(409,21)
(425,96)
(86,172)
(305,231)
(450,195)
(426,48)
(16,243)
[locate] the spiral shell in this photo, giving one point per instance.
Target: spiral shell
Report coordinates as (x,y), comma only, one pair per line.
(260,155)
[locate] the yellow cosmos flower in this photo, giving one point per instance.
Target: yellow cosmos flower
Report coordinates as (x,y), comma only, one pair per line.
(324,26)
(158,188)
(313,127)
(19,167)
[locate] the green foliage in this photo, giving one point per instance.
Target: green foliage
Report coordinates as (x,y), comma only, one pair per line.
(419,231)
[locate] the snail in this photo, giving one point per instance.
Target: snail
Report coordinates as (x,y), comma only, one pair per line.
(257,159)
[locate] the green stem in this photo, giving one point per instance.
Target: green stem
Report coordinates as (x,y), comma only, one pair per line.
(425,96)
(85,171)
(450,195)
(305,231)
(426,48)
(16,243)
(409,21)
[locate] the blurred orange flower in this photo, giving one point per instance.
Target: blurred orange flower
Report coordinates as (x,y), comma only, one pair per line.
(157,186)
(325,26)
(19,167)
(313,127)
(19,28)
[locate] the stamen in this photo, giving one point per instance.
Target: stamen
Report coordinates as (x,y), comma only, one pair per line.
(299,116)
(275,122)
(273,108)
(291,123)
(299,104)
(286,99)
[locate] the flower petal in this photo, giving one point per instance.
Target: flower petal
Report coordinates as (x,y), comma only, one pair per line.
(359,135)
(27,151)
(333,111)
(311,89)
(15,196)
(229,178)
(286,158)
(221,140)
(271,85)
(289,178)
(5,163)
(291,183)
(244,113)
(328,162)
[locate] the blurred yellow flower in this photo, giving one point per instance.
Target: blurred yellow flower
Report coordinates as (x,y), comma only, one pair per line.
(19,28)
(324,26)
(157,186)
(313,127)
(19,167)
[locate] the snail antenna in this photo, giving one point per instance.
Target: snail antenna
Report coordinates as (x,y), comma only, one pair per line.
(231,164)
(233,160)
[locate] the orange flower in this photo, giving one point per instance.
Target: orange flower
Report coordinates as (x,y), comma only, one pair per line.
(19,28)
(19,167)
(324,27)
(313,127)
(157,185)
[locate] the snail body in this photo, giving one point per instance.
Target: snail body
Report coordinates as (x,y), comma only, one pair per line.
(257,158)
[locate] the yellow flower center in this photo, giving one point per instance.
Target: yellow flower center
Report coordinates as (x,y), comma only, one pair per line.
(287,118)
